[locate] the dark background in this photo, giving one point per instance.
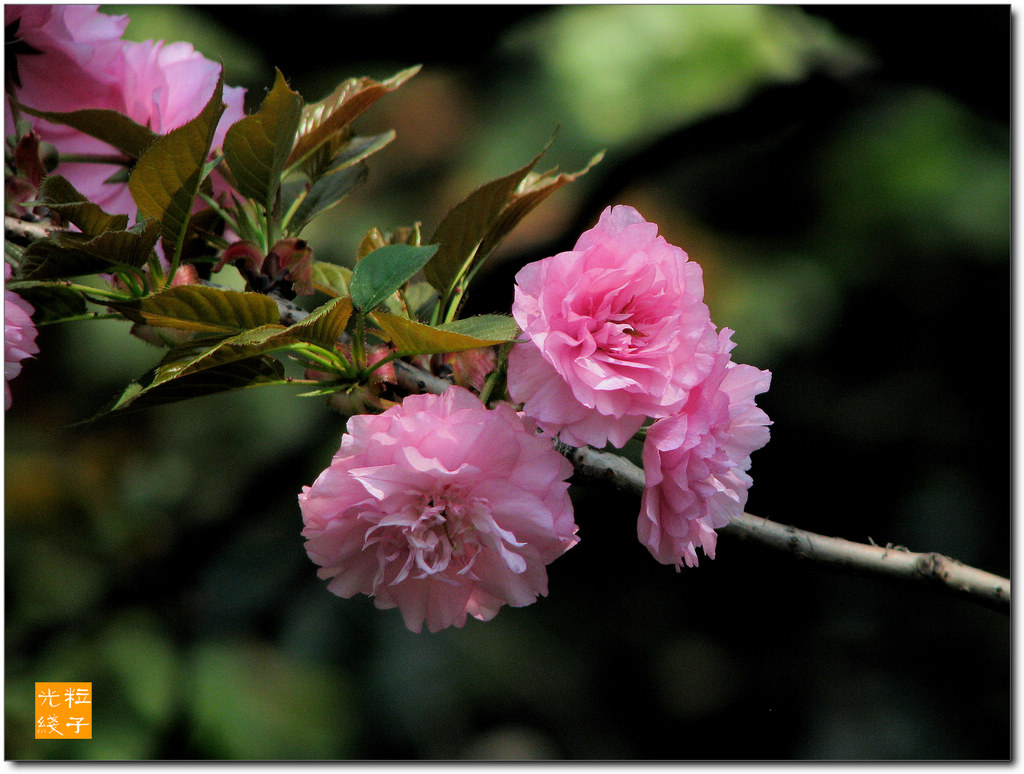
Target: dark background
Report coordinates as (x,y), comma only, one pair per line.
(843,176)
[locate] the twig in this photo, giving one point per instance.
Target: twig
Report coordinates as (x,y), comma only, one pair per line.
(24,232)
(932,568)
(977,585)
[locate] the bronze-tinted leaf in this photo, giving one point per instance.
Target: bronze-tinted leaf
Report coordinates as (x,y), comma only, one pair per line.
(325,325)
(168,175)
(168,382)
(460,231)
(62,197)
(325,193)
(66,254)
(201,308)
(533,190)
(323,120)
(414,338)
(257,147)
(108,125)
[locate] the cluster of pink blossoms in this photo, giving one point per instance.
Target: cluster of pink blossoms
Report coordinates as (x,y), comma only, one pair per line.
(619,333)
(64,58)
(445,508)
(19,335)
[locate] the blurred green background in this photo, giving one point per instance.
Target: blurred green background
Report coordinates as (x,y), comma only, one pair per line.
(843,176)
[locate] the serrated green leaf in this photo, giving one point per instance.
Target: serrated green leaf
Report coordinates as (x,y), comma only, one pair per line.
(419,297)
(374,238)
(257,147)
(357,149)
(169,174)
(62,197)
(384,271)
(325,193)
(460,231)
(161,386)
(330,278)
(201,308)
(414,338)
(324,120)
(492,328)
(66,254)
(109,126)
(239,361)
(324,325)
(52,303)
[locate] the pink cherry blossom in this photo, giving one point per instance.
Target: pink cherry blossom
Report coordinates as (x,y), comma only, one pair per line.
(19,335)
(618,331)
(442,508)
(696,461)
(82,63)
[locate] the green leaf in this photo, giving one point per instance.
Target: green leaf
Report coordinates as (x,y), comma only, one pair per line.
(419,297)
(109,126)
(257,147)
(52,303)
(466,224)
(330,278)
(324,325)
(414,338)
(168,175)
(492,328)
(323,121)
(357,149)
(201,308)
(325,193)
(62,197)
(166,385)
(66,254)
(384,271)
(239,361)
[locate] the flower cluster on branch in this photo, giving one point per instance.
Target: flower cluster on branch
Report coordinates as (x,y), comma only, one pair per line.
(446,506)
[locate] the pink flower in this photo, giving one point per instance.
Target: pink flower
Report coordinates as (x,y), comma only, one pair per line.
(696,461)
(442,508)
(65,57)
(19,335)
(618,331)
(82,63)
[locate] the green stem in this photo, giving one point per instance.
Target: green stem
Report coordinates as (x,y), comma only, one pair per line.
(87,290)
(228,218)
(291,211)
(271,240)
(331,361)
(80,317)
(358,351)
(382,362)
(497,376)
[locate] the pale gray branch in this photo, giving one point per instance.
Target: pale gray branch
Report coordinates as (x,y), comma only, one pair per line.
(23,232)
(898,563)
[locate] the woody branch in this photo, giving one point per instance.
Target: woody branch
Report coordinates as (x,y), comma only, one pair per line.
(890,562)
